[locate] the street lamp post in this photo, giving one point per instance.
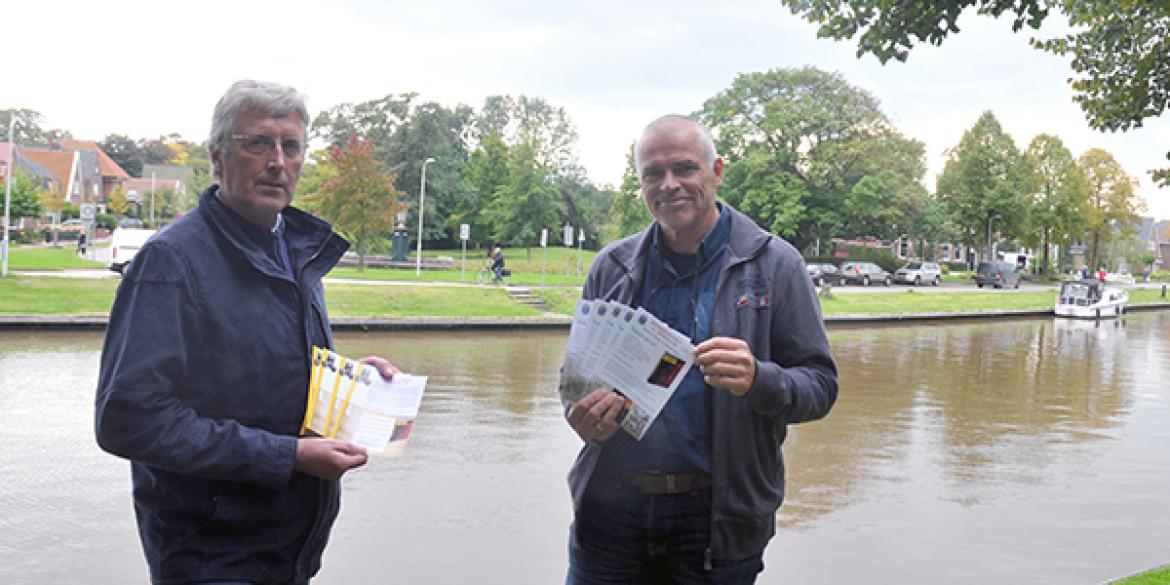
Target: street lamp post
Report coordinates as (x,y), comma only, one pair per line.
(8,172)
(422,197)
(989,218)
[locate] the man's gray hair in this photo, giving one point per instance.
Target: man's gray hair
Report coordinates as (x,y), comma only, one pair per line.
(706,143)
(270,99)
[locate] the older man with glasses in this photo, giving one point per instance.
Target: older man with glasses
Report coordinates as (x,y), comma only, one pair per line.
(205,368)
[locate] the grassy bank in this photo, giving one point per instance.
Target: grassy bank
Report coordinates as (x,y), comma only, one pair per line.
(47,258)
(1159,576)
(74,296)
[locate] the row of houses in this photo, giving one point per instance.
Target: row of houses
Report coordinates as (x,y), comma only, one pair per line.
(79,171)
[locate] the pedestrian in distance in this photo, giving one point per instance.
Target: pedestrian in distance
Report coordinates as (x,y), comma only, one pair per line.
(81,245)
(205,366)
(695,500)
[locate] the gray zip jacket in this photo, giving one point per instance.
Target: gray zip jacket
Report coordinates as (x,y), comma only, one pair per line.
(764,297)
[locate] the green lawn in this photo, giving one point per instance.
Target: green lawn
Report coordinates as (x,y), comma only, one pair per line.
(42,258)
(1159,576)
(359,300)
(560,270)
(76,296)
(56,295)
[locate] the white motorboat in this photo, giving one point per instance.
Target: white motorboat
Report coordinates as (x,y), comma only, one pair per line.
(1090,299)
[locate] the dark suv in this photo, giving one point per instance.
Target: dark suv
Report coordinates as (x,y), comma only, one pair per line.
(997,274)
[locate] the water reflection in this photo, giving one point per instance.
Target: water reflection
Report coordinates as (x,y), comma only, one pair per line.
(1029,451)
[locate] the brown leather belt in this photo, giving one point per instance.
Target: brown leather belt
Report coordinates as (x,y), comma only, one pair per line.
(658,483)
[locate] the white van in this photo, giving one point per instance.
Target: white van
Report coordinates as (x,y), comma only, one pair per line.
(124,244)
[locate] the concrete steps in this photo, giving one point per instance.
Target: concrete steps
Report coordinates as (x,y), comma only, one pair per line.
(524,295)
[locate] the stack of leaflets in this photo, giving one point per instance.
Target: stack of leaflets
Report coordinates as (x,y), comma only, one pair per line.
(629,350)
(350,401)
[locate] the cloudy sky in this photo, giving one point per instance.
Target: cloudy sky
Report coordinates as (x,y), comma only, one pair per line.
(146,69)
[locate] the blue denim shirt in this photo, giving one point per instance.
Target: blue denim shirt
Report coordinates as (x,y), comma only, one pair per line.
(682,294)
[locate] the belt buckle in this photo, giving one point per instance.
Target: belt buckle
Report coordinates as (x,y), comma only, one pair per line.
(670,484)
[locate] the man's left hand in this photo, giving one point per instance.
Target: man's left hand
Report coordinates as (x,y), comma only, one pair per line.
(385,368)
(727,363)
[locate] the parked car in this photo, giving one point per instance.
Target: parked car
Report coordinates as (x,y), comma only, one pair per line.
(72,225)
(864,273)
(822,272)
(917,273)
(130,222)
(997,274)
(124,244)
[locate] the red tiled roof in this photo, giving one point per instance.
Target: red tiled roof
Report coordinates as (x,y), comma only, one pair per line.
(106,165)
(57,162)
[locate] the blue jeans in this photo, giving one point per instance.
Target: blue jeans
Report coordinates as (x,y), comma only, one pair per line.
(621,535)
(499,274)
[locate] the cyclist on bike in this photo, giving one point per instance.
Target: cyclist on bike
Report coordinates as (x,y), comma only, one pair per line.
(498,265)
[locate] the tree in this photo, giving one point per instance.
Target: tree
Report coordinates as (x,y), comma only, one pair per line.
(485,173)
(26,193)
(547,129)
(29,126)
(1058,206)
(526,203)
(796,142)
(117,202)
(125,151)
(629,209)
(1120,49)
(1113,205)
(360,200)
(985,182)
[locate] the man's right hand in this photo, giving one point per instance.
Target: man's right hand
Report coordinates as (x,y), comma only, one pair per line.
(594,417)
(327,458)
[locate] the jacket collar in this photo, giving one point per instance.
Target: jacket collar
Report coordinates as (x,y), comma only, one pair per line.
(307,236)
(745,241)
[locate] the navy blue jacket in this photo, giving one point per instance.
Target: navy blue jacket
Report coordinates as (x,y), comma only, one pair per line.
(203,385)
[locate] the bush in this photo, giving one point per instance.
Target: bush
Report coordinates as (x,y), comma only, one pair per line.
(883,258)
(955,265)
(105,220)
(823,260)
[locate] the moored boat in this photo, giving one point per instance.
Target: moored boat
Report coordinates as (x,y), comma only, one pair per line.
(1090,299)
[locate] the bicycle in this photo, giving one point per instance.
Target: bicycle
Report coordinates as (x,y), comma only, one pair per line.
(487,276)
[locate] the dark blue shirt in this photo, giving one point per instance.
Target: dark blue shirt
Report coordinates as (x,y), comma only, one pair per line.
(679,289)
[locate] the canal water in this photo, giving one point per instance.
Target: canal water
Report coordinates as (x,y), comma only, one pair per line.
(1027,451)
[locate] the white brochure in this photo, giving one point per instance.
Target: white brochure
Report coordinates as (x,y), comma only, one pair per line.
(350,401)
(629,350)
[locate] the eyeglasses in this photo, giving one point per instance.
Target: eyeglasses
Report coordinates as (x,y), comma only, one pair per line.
(263,144)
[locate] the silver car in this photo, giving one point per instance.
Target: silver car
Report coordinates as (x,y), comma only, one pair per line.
(917,273)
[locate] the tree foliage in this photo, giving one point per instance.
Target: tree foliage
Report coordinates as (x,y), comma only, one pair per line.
(358,197)
(29,127)
(629,213)
(26,193)
(798,141)
(1061,192)
(1120,48)
(1113,205)
(985,182)
(526,203)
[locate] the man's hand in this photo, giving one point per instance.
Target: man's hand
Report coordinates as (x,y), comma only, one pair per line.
(327,458)
(727,363)
(594,417)
(385,368)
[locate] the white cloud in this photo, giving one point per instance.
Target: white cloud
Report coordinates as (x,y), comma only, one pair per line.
(131,67)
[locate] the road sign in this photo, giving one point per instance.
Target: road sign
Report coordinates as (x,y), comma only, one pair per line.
(464,231)
(88,211)
(544,238)
(568,235)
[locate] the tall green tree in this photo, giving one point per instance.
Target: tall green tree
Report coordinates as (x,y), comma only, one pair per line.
(1120,48)
(985,184)
(125,151)
(629,209)
(547,129)
(526,203)
(1113,205)
(360,200)
(30,127)
(486,173)
(1061,192)
(796,142)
